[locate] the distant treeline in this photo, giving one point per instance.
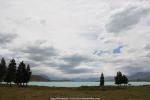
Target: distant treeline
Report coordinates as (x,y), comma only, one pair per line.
(12,73)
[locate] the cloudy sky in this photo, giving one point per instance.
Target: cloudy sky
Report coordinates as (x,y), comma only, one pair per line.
(77,38)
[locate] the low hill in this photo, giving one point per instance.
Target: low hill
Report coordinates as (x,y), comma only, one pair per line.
(140,76)
(39,78)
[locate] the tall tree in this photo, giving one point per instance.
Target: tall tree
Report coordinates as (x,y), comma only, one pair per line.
(28,74)
(1,73)
(118,78)
(21,74)
(121,79)
(11,72)
(102,80)
(2,69)
(125,79)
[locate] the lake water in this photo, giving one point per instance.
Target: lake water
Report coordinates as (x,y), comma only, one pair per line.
(78,84)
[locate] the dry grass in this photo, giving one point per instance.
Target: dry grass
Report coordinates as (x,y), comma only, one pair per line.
(44,93)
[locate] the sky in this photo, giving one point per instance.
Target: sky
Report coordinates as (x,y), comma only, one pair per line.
(77,38)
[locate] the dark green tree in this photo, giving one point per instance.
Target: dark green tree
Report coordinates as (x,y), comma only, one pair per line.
(125,79)
(102,80)
(118,78)
(2,69)
(121,79)
(21,74)
(1,73)
(11,72)
(24,75)
(28,74)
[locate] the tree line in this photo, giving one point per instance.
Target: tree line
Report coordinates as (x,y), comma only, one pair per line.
(119,79)
(11,73)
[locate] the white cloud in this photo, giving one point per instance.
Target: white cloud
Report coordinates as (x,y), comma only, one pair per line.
(76,27)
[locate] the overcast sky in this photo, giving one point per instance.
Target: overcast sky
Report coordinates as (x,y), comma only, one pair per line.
(77,38)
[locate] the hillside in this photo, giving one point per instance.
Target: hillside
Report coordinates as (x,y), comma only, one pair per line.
(140,76)
(39,78)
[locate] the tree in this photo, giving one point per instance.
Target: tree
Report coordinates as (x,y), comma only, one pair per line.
(118,78)
(11,72)
(24,75)
(102,80)
(125,79)
(2,69)
(1,73)
(121,79)
(28,74)
(21,74)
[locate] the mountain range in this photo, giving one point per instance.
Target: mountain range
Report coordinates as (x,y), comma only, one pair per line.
(139,76)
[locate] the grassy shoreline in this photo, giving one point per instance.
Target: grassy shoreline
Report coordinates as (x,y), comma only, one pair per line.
(105,93)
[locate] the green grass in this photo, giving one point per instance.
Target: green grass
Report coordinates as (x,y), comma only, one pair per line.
(105,93)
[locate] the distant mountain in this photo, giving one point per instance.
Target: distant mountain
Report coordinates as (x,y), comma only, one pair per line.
(140,76)
(93,79)
(39,78)
(44,78)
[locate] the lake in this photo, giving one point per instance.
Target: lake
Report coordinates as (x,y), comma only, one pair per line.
(78,84)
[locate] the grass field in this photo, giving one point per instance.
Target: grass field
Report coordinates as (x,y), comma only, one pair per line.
(105,93)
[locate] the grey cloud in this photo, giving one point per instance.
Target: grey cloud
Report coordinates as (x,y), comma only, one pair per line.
(101,52)
(6,38)
(148,55)
(69,64)
(71,69)
(75,60)
(91,35)
(131,69)
(32,64)
(77,71)
(138,65)
(40,53)
(124,20)
(147,47)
